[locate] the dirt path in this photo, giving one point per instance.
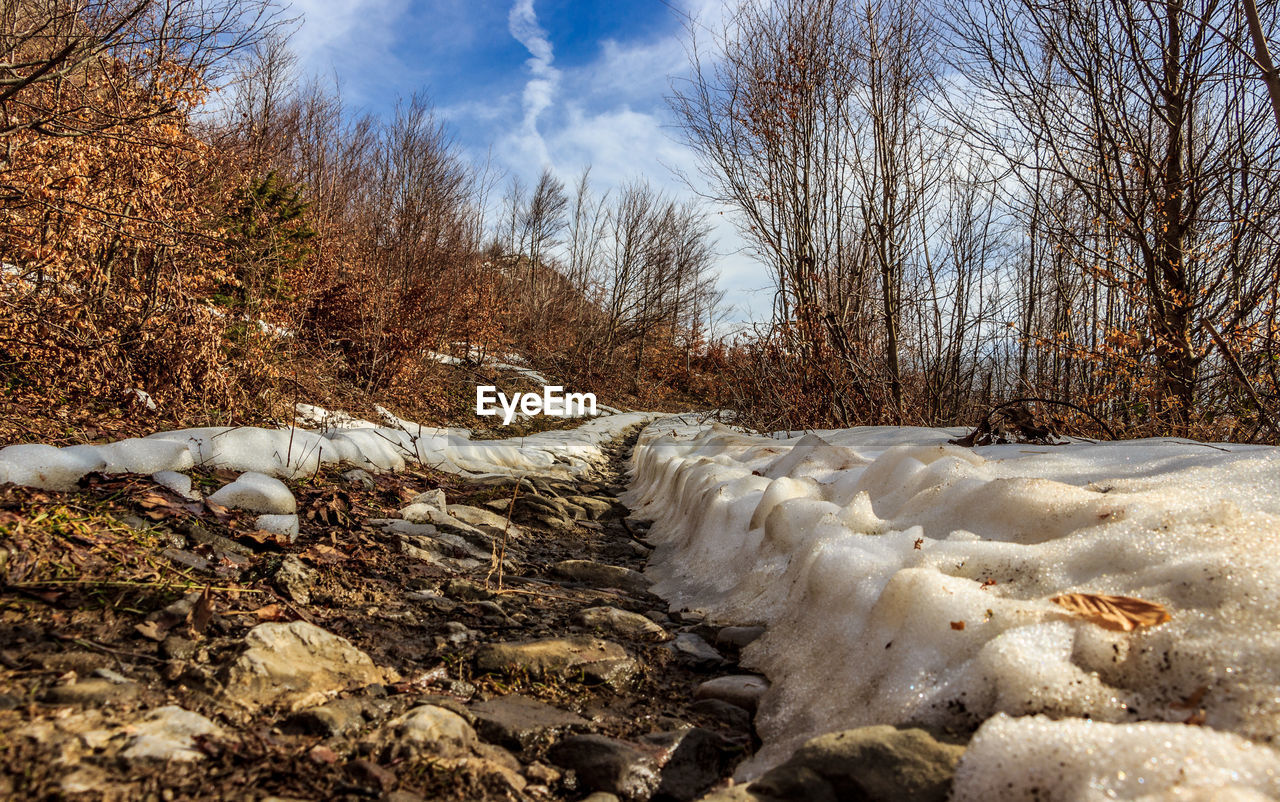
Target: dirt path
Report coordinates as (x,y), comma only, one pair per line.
(409,644)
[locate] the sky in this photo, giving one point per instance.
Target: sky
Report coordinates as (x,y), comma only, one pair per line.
(534,84)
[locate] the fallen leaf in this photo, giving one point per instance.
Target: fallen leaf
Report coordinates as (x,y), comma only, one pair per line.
(152,630)
(957,626)
(320,553)
(269,612)
(1118,613)
(201,613)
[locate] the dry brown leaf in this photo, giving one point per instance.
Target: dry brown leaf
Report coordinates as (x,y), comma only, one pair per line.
(1119,613)
(201,613)
(958,626)
(269,612)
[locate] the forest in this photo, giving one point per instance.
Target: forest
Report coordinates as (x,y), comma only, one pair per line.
(955,204)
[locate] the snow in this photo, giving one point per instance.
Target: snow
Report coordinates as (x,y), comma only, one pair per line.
(296,452)
(864,550)
(257,492)
(283,525)
(1016,758)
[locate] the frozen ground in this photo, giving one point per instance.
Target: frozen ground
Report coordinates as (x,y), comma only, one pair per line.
(907,581)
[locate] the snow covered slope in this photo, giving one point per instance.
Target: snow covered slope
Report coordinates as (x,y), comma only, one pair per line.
(904,580)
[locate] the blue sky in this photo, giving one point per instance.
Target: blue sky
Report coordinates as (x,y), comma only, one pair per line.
(534,83)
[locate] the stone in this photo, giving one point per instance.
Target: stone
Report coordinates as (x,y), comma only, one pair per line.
(691,759)
(743,690)
(465,590)
(91,691)
(604,764)
(595,508)
(738,637)
(257,492)
(692,649)
(360,478)
(282,526)
(429,729)
(476,516)
(601,575)
(168,733)
(299,664)
(568,658)
(732,716)
(434,498)
(295,579)
(621,623)
(879,764)
(518,722)
(176,647)
(601,796)
(335,718)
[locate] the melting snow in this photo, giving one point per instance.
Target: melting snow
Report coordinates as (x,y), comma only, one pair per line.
(863,551)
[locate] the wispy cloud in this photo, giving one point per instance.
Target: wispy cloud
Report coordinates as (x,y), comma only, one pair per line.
(540,90)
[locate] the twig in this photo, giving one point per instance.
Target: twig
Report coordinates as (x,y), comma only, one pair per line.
(1263,413)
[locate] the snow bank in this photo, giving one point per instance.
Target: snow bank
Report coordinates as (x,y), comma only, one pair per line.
(907,581)
(294,452)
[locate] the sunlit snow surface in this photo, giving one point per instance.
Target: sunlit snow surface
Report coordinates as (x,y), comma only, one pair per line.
(334,438)
(864,549)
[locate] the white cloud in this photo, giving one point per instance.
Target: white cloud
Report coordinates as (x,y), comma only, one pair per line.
(540,89)
(350,38)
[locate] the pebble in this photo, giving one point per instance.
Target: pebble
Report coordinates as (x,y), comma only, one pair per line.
(590,658)
(621,623)
(520,723)
(168,733)
(743,690)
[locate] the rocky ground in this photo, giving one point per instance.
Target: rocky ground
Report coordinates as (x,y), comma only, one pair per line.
(419,638)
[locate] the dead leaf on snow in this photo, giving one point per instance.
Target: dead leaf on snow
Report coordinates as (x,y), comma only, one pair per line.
(1118,613)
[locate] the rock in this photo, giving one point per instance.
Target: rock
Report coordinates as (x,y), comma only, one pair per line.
(476,516)
(434,498)
(176,647)
(730,715)
(738,637)
(601,575)
(603,764)
(295,579)
(92,691)
(298,663)
(518,722)
(878,764)
(595,508)
(692,649)
(743,690)
(601,796)
(169,733)
(541,773)
(621,623)
(464,590)
(429,729)
(283,526)
(597,660)
(360,478)
(335,718)
(692,760)
(257,492)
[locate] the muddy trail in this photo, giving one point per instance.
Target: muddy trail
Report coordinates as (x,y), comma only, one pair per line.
(421,638)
